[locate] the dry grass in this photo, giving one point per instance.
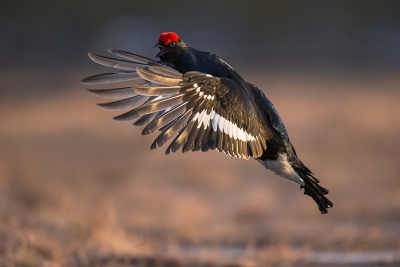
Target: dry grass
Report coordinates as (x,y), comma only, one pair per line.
(79,189)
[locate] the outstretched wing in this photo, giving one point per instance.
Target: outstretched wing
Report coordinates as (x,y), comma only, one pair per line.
(197,110)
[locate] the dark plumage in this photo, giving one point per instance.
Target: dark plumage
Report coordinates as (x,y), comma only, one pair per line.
(200,102)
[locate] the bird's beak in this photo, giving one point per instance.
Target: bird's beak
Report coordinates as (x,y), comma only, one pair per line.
(163,49)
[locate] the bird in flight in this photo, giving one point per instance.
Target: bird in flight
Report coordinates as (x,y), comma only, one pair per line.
(200,102)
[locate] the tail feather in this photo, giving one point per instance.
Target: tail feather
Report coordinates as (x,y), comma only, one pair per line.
(313,189)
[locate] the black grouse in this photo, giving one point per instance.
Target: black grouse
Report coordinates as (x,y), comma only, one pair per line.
(201,102)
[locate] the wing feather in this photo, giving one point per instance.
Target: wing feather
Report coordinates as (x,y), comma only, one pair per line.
(180,139)
(133,57)
(200,111)
(152,77)
(113,63)
(128,103)
(156,90)
(164,119)
(124,92)
(170,131)
(111,78)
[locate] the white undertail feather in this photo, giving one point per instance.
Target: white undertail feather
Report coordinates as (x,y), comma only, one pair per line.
(282,167)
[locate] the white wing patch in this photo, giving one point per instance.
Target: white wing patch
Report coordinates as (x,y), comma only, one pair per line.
(201,93)
(224,125)
(215,121)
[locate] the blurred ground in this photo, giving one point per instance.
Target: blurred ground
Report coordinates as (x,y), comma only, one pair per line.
(79,189)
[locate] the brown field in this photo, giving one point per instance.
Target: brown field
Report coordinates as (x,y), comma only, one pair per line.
(79,189)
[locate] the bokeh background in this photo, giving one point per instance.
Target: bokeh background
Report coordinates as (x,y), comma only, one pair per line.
(79,189)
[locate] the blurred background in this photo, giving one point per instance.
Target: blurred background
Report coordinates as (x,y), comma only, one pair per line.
(79,189)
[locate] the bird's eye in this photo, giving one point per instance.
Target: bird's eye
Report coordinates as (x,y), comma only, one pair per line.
(173,43)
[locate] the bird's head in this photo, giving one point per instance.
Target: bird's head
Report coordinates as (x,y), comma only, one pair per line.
(171,46)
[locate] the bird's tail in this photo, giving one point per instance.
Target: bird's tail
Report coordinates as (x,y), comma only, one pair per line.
(313,189)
